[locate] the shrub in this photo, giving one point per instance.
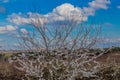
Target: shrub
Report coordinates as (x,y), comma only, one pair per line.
(60,65)
(109,73)
(8,72)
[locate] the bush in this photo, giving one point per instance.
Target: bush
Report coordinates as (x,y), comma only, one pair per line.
(109,73)
(59,65)
(8,72)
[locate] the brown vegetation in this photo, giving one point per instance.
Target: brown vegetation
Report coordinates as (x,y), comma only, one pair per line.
(8,72)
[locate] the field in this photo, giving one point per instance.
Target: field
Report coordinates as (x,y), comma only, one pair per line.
(9,72)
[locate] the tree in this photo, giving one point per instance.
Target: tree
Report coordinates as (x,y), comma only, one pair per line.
(61,50)
(68,34)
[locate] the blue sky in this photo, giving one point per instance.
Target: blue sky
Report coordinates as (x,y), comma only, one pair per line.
(106,12)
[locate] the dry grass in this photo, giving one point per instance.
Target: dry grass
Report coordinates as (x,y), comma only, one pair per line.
(110,58)
(8,72)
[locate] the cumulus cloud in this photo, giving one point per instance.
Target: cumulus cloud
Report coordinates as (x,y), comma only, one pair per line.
(34,18)
(18,19)
(66,12)
(63,13)
(7,28)
(96,5)
(99,4)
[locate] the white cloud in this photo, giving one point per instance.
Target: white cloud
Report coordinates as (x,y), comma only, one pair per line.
(16,45)
(7,28)
(118,7)
(89,11)
(96,5)
(18,19)
(99,4)
(35,19)
(66,12)
(24,31)
(63,13)
(110,40)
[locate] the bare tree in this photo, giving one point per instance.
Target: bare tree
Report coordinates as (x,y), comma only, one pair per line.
(59,35)
(63,46)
